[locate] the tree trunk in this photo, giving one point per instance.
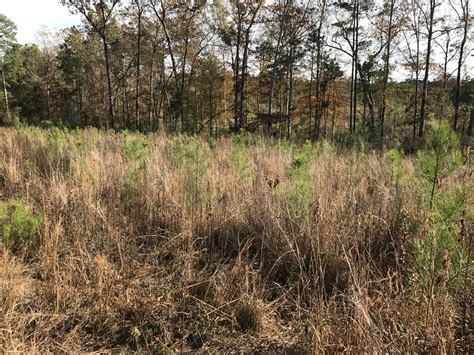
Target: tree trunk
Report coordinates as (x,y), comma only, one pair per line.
(137,81)
(310,98)
(318,70)
(424,92)
(353,68)
(7,112)
(273,81)
(109,83)
(445,63)
(356,60)
(334,110)
(471,123)
(244,69)
(210,108)
(417,79)
(242,118)
(317,110)
(458,76)
(326,113)
(237,88)
(386,70)
(290,96)
(182,104)
(162,20)
(152,91)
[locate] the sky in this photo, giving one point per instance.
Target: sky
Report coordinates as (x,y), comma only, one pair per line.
(30,16)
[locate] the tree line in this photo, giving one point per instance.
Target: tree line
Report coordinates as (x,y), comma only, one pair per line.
(307,69)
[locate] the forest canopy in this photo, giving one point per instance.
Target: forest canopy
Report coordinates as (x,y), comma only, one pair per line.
(296,69)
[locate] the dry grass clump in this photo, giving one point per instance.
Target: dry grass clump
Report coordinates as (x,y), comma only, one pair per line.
(249,316)
(15,293)
(156,243)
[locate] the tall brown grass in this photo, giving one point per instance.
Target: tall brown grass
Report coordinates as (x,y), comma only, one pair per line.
(173,244)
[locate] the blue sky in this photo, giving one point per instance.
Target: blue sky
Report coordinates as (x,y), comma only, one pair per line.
(31,15)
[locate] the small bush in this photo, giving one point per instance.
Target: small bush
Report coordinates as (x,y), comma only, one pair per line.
(18,225)
(240,161)
(45,124)
(440,159)
(135,150)
(445,205)
(249,316)
(299,175)
(193,157)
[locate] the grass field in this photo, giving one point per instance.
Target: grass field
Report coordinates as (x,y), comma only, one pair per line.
(119,241)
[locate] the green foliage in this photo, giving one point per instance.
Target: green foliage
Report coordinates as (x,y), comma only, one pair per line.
(135,149)
(85,141)
(19,227)
(440,159)
(193,157)
(299,175)
(45,124)
(244,138)
(17,123)
(446,206)
(7,34)
(441,149)
(213,143)
(240,162)
(54,149)
(395,158)
(187,149)
(57,139)
(57,142)
(326,148)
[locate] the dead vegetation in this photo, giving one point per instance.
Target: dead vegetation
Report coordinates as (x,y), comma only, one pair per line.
(173,244)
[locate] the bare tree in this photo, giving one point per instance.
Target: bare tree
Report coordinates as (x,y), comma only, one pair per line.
(390,30)
(99,14)
(429,18)
(140,9)
(253,9)
(411,52)
(290,22)
(447,47)
(319,58)
(464,17)
(348,29)
(180,28)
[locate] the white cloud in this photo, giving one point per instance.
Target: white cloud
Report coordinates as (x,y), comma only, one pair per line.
(31,15)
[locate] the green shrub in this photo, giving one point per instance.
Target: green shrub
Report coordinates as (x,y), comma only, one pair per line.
(440,159)
(45,124)
(301,182)
(17,123)
(56,148)
(19,227)
(240,162)
(135,149)
(439,254)
(193,157)
(395,158)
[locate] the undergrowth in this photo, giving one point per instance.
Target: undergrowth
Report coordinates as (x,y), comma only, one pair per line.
(125,242)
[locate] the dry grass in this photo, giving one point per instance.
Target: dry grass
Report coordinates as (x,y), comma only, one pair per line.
(171,244)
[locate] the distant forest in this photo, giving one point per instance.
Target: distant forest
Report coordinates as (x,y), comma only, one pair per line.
(297,69)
